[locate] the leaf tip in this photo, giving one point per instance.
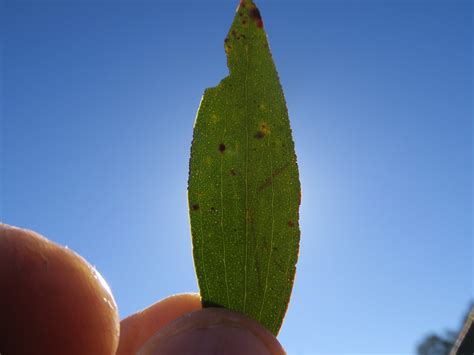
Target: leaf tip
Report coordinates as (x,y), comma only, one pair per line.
(253,11)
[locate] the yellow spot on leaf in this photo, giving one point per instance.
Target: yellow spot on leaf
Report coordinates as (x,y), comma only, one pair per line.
(264,128)
(214,118)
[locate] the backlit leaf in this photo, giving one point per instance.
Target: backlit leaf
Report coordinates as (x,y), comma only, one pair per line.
(244,190)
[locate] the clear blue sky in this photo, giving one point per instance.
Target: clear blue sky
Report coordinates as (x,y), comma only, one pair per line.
(98,105)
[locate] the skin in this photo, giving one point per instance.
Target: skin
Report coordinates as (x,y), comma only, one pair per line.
(53,302)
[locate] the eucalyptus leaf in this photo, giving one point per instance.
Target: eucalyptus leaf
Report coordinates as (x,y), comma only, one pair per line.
(244,190)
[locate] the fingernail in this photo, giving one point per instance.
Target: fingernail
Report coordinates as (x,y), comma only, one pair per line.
(212,331)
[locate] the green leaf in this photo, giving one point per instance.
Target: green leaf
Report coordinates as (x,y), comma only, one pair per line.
(244,190)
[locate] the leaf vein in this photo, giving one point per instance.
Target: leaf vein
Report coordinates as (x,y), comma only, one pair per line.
(222,226)
(246,177)
(271,237)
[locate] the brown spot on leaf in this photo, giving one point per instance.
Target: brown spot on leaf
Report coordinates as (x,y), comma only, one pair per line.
(269,180)
(232,172)
(195,207)
(263,131)
(254,14)
(222,147)
(291,223)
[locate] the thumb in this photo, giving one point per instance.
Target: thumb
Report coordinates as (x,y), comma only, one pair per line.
(212,331)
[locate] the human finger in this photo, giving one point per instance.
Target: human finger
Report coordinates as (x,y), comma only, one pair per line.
(212,331)
(139,327)
(52,301)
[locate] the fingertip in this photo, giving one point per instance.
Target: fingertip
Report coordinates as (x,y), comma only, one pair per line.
(213,331)
(136,329)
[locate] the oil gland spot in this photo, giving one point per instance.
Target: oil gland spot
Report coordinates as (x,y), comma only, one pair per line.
(232,172)
(259,135)
(222,147)
(213,209)
(195,207)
